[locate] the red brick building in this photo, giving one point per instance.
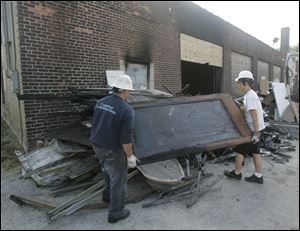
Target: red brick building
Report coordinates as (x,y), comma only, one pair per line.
(50,46)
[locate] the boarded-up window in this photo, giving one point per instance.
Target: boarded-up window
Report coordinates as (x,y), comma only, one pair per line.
(238,63)
(262,70)
(276,74)
(199,51)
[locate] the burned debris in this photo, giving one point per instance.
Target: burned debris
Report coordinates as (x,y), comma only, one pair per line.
(281,121)
(173,154)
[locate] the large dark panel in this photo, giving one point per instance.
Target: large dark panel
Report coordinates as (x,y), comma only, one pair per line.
(166,129)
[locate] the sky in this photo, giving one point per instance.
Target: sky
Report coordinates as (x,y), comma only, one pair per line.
(261,19)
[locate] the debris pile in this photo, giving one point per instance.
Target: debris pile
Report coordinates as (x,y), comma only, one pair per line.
(281,127)
(278,104)
(59,163)
(173,162)
(275,140)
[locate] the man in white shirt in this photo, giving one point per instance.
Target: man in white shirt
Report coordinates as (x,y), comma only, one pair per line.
(254,117)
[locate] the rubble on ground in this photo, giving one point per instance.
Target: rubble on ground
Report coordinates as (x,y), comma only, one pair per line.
(67,163)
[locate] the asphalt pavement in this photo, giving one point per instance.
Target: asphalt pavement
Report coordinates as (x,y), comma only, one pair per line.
(234,205)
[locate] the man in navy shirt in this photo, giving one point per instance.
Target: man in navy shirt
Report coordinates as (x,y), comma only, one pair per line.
(111,136)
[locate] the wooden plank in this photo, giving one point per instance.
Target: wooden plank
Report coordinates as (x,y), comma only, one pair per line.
(237,117)
(32,202)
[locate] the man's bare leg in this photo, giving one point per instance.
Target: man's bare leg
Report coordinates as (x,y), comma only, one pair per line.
(239,158)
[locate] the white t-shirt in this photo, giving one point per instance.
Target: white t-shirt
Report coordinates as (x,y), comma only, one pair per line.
(251,101)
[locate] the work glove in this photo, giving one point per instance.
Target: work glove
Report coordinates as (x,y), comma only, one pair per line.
(255,137)
(132,161)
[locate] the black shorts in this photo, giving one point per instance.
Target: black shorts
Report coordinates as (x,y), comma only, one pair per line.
(248,149)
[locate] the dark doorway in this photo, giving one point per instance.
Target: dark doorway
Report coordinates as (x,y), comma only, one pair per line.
(203,79)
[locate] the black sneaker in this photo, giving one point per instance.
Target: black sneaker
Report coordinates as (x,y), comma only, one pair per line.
(255,179)
(124,215)
(233,175)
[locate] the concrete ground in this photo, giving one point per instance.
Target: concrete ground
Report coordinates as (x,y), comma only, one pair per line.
(238,205)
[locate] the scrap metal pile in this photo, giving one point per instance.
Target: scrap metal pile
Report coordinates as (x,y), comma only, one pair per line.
(281,117)
(275,142)
(59,163)
(173,137)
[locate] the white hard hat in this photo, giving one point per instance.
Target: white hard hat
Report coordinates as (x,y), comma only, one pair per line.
(123,82)
(244,75)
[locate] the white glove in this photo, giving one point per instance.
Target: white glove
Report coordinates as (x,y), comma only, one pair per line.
(255,137)
(131,161)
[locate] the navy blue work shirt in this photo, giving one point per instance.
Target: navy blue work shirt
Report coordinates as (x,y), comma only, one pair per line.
(112,123)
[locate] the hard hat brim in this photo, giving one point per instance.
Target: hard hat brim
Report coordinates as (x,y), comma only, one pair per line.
(237,79)
(131,89)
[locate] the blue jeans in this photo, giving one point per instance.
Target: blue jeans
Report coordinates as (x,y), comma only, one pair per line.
(114,169)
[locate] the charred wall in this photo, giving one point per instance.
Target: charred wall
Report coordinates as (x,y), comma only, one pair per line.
(72,43)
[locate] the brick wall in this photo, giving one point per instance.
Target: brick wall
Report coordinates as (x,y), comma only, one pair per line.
(73,43)
(69,43)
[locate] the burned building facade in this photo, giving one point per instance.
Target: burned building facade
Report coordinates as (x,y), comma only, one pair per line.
(49,46)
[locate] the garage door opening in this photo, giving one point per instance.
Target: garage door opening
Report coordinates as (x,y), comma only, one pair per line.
(203,79)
